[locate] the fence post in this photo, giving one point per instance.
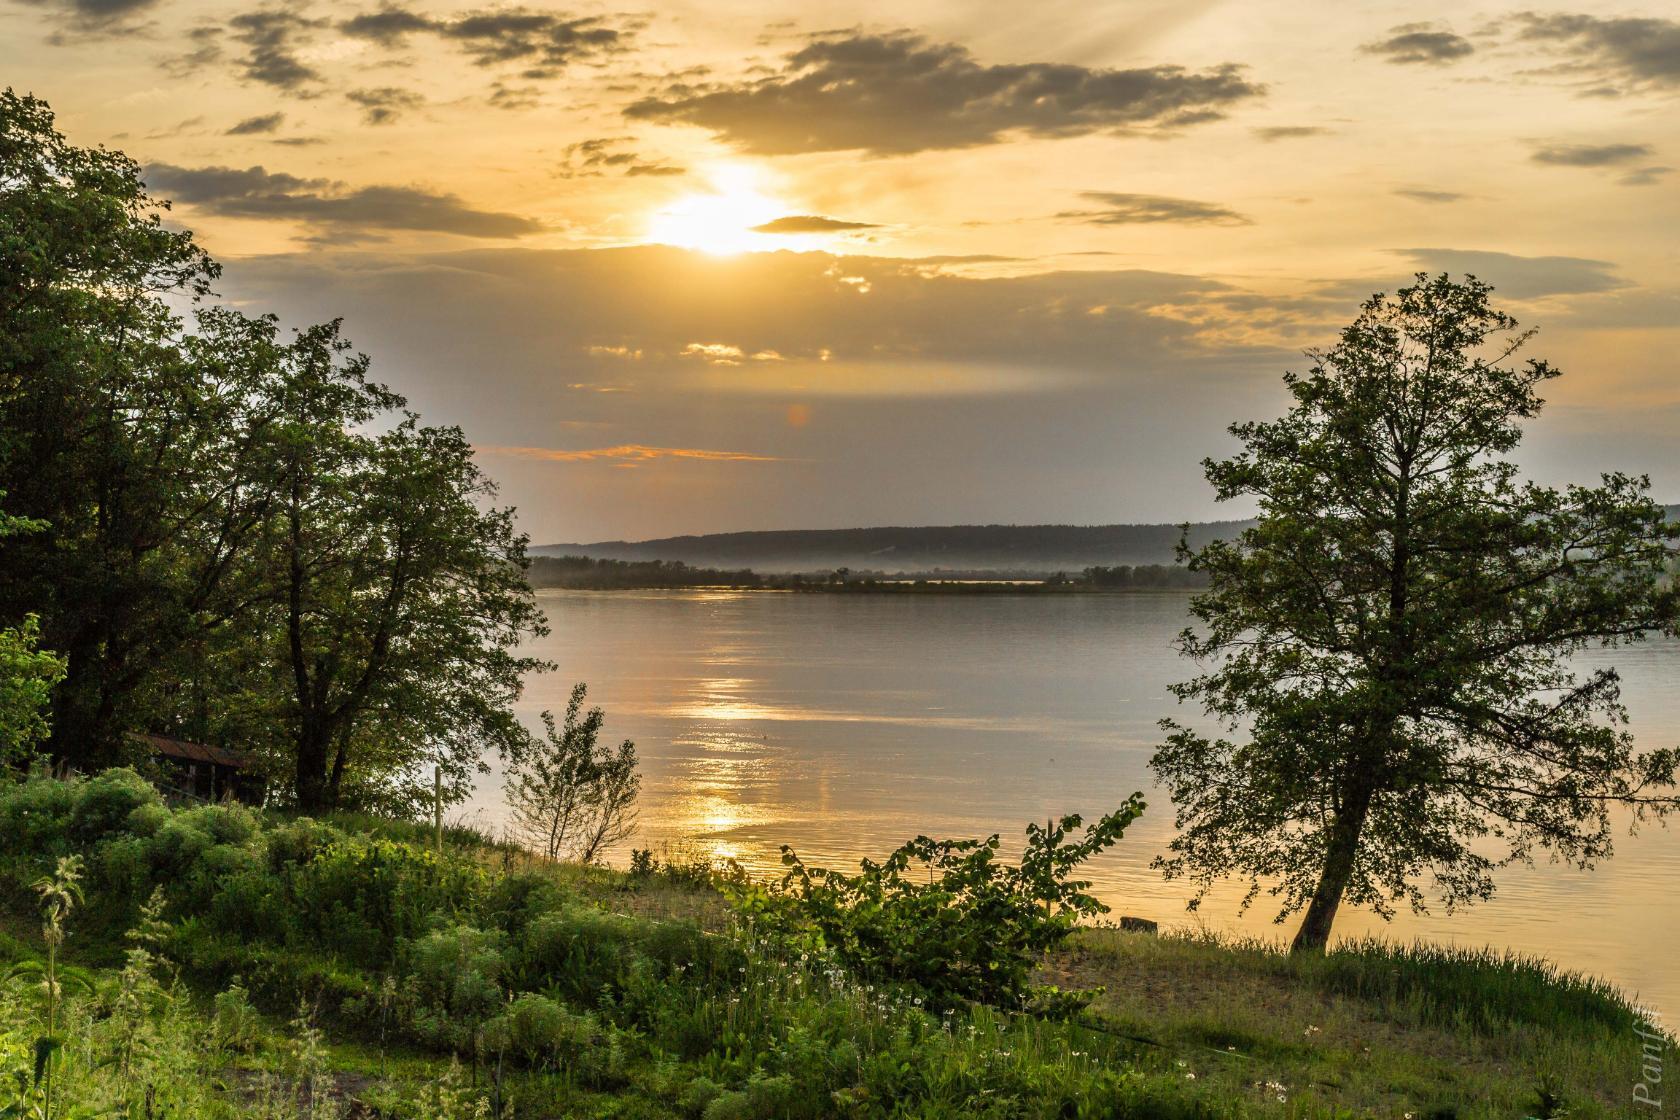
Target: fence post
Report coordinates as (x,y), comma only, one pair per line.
(437,806)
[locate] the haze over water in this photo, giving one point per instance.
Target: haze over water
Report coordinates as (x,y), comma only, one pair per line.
(845,724)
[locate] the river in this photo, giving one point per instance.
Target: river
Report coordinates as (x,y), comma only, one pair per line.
(844,724)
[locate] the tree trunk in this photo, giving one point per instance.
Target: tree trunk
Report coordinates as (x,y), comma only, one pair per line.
(311,779)
(1341,847)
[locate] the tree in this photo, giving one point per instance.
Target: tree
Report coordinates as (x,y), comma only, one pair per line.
(567,794)
(393,594)
(1395,632)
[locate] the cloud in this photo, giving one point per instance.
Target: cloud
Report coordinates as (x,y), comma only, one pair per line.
(95,17)
(1637,51)
(1589,155)
(254,126)
(1522,277)
(1645,176)
(1430,195)
(254,192)
(631,452)
(1127,209)
(603,154)
(1276,132)
(810,223)
(384,104)
(901,93)
(545,42)
(1426,43)
(270,38)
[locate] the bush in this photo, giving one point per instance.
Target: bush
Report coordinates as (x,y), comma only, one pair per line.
(104,804)
(946,915)
(454,985)
(363,897)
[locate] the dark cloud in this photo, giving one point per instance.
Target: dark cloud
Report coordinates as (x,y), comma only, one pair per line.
(270,38)
(1635,51)
(1522,277)
(1276,132)
(1645,176)
(1427,194)
(545,42)
(204,46)
(384,104)
(605,154)
(253,126)
(1412,43)
(93,17)
(810,223)
(902,93)
(1128,209)
(358,213)
(1605,156)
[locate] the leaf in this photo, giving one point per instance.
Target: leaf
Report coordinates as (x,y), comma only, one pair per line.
(45,1047)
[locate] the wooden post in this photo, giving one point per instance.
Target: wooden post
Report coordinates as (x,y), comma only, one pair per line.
(437,805)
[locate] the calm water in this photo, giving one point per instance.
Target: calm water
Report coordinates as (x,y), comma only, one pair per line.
(844,724)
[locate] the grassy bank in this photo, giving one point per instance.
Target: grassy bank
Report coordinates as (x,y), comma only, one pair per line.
(226,963)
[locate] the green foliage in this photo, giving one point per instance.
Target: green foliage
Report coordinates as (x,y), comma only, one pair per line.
(947,915)
(1395,631)
(27,677)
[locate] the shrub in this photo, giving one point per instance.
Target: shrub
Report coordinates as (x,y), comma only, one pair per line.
(454,984)
(946,915)
(363,897)
(104,803)
(35,824)
(578,951)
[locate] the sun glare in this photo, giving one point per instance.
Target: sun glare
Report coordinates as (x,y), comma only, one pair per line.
(721,220)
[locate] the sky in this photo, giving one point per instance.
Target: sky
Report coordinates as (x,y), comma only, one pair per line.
(704,267)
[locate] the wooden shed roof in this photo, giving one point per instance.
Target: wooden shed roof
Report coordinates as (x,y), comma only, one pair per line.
(195,752)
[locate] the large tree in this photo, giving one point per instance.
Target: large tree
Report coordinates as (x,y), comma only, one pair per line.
(1395,632)
(393,598)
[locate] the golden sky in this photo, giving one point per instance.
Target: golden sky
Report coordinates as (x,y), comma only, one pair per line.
(722,266)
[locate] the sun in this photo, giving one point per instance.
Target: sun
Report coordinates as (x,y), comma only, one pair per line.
(721,220)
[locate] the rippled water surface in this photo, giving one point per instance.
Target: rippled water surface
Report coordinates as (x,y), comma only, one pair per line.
(844,724)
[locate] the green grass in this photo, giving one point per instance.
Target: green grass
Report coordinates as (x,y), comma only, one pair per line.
(1373,1028)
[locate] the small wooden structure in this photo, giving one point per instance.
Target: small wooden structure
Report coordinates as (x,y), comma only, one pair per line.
(204,772)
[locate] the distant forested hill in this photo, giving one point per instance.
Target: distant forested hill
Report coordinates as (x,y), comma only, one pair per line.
(999,548)
(1016,549)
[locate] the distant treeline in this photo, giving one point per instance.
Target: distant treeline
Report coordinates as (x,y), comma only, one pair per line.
(585,574)
(582,573)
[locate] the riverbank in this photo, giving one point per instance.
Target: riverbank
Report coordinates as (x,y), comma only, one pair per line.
(326,968)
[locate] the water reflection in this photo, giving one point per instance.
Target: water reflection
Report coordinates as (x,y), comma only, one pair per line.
(845,724)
